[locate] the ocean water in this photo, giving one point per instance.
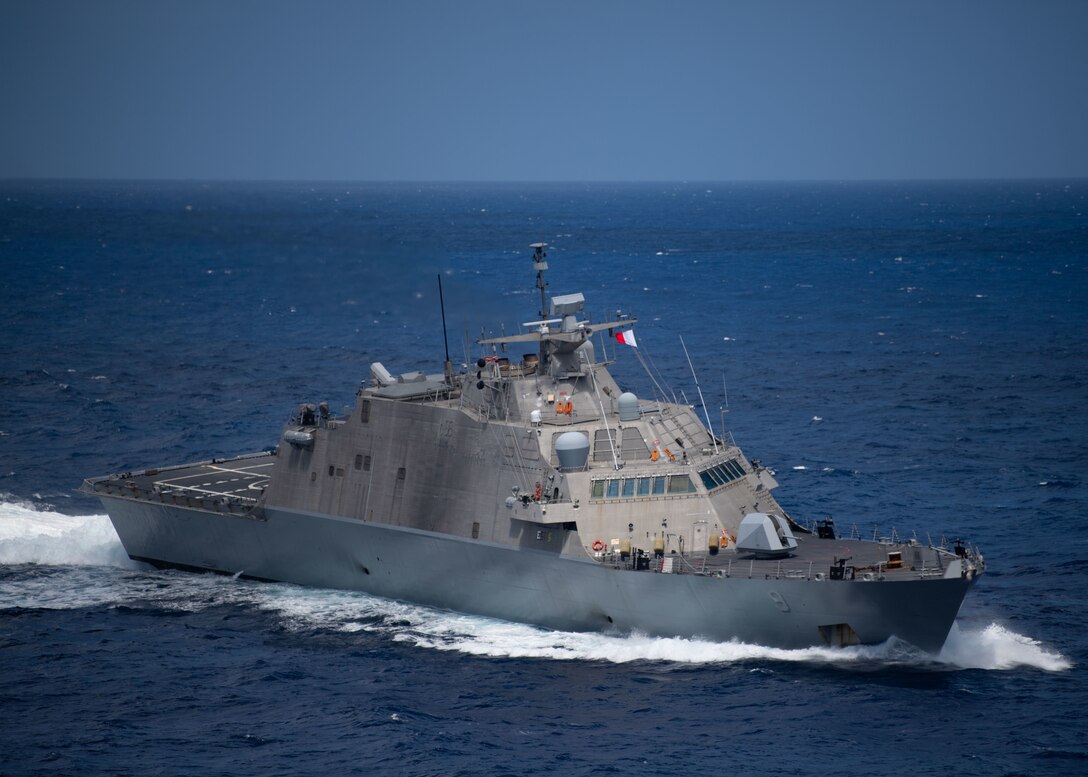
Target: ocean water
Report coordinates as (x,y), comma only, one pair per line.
(908,356)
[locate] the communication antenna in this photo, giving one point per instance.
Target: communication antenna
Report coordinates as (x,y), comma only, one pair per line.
(702,402)
(445,337)
(725,410)
(540,264)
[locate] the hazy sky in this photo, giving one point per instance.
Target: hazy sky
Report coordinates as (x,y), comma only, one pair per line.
(543,90)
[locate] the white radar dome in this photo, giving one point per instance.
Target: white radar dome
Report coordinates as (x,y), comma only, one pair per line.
(572,450)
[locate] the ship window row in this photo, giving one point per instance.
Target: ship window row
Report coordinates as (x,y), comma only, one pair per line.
(631,488)
(722,474)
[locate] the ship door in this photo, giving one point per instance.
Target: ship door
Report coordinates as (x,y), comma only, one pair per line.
(699,536)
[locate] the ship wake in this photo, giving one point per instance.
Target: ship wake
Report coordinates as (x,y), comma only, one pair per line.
(35,534)
(991,648)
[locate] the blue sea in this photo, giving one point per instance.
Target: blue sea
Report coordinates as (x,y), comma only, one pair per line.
(907,356)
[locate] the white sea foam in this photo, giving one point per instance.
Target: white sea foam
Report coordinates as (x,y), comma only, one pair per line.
(30,534)
(996,647)
(992,648)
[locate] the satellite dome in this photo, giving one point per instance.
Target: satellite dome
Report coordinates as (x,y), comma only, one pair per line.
(572,450)
(628,407)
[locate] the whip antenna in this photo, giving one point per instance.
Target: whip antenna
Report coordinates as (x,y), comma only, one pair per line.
(702,402)
(445,337)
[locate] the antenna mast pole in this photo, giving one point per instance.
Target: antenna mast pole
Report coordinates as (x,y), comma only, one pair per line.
(540,264)
(709,426)
(725,393)
(445,338)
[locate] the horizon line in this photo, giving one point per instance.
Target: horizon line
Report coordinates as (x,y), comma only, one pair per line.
(524,182)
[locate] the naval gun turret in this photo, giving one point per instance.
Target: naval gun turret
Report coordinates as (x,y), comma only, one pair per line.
(765,535)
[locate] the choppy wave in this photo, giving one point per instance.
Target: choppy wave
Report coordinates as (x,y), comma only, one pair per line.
(33,534)
(996,647)
(29,535)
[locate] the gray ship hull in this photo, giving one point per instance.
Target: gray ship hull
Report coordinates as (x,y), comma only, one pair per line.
(532,586)
(538,491)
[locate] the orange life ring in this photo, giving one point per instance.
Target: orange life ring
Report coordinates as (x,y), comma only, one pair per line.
(598,545)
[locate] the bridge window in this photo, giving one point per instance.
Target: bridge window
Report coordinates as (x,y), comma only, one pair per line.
(631,488)
(721,474)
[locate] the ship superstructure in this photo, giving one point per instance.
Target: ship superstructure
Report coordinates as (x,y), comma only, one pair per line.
(536,489)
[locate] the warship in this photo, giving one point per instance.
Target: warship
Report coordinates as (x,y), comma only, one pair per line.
(537,490)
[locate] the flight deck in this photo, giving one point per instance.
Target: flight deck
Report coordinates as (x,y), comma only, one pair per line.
(234,484)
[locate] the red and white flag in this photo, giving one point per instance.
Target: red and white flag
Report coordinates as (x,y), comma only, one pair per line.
(627,338)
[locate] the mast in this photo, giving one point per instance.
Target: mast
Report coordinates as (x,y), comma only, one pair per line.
(448,368)
(540,264)
(702,402)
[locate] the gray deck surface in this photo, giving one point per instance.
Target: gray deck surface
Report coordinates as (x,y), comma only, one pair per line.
(239,480)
